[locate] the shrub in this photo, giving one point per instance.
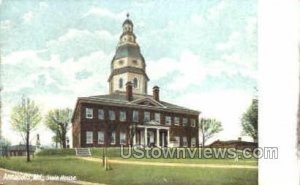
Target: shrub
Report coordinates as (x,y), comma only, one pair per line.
(60,152)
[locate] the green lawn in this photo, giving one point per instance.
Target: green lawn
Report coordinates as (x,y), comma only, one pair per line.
(131,174)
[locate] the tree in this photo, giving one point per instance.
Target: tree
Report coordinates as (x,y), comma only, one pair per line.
(24,118)
(250,120)
(58,121)
(209,127)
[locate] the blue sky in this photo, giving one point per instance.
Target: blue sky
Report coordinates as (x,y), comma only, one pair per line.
(202,54)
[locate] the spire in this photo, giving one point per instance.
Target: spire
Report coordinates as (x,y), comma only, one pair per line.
(127,35)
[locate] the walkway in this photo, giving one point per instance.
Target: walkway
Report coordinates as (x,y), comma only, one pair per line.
(227,166)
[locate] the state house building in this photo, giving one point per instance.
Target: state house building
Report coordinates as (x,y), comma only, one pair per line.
(128,115)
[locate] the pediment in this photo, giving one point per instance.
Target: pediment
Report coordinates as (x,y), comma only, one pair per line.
(148,102)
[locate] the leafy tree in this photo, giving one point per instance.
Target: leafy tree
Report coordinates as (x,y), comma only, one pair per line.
(58,121)
(250,120)
(4,145)
(24,118)
(209,127)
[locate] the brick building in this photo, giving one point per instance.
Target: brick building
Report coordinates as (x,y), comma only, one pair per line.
(128,115)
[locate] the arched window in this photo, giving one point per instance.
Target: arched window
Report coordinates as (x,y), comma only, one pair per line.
(120,83)
(135,83)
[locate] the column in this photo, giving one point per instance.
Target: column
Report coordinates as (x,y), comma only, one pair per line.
(157,137)
(134,138)
(168,138)
(163,139)
(145,137)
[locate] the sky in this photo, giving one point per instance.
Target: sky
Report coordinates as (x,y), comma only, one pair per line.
(202,54)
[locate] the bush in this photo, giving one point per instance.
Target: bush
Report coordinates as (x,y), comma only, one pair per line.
(60,152)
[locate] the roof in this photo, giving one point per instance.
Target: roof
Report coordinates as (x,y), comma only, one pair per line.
(128,69)
(118,98)
(127,21)
(128,50)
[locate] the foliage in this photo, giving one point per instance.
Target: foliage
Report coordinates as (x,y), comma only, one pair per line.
(209,127)
(250,120)
(57,152)
(57,121)
(24,118)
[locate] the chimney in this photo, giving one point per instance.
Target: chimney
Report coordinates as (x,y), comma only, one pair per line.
(129,91)
(156,93)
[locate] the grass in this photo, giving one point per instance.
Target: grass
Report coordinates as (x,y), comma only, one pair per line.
(130,174)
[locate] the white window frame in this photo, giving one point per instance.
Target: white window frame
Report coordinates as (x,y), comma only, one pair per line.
(135,116)
(101,114)
(112,115)
(177,141)
(89,137)
(99,137)
(185,141)
(148,116)
(157,117)
(168,120)
(176,120)
(113,135)
(185,121)
(89,113)
(122,115)
(193,142)
(123,138)
(193,122)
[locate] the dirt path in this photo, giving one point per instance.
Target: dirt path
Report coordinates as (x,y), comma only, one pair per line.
(227,166)
(9,174)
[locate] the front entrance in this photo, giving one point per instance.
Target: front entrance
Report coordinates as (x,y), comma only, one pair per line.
(151,136)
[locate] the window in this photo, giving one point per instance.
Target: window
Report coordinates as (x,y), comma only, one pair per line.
(176,120)
(135,83)
(135,116)
(120,83)
(176,141)
(168,120)
(157,117)
(193,142)
(146,116)
(100,137)
(89,113)
(122,138)
(112,115)
(193,122)
(185,142)
(100,114)
(122,115)
(184,121)
(113,138)
(121,62)
(134,62)
(89,137)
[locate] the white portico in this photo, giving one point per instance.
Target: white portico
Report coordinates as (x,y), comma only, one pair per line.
(151,134)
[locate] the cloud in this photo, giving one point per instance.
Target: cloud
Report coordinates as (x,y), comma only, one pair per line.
(232,41)
(27,17)
(81,41)
(6,25)
(102,12)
